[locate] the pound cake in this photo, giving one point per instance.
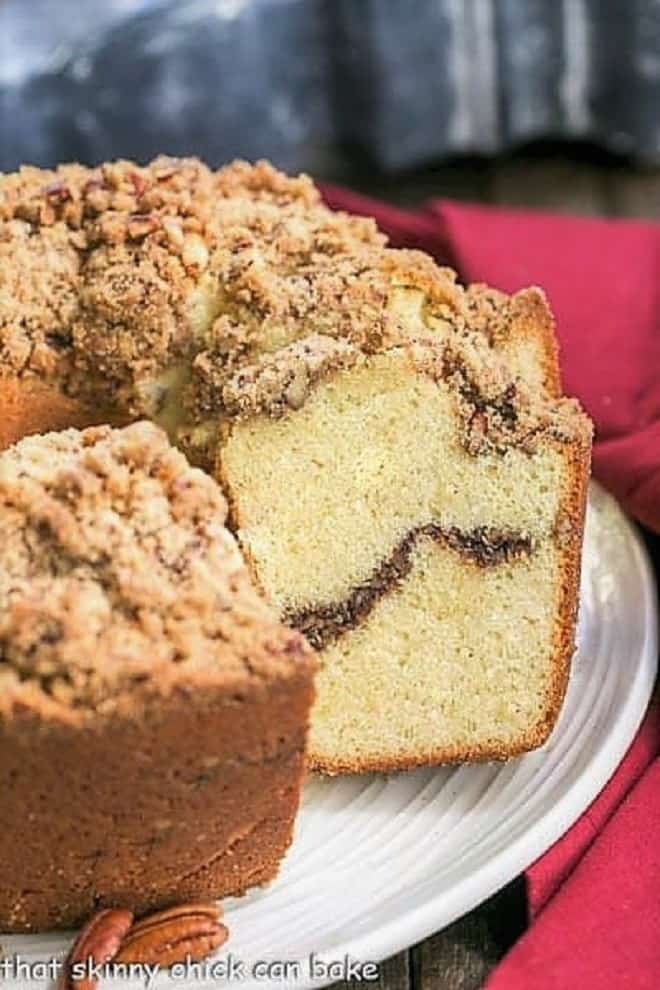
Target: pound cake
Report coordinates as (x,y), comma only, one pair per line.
(153,710)
(405,481)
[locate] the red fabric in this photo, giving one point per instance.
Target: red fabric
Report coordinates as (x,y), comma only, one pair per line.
(548,873)
(602,930)
(603,281)
(594,897)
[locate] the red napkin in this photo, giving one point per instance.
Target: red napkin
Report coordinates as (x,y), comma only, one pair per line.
(594,897)
(602,930)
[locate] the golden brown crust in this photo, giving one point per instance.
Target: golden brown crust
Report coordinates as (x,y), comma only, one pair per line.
(531,317)
(194,800)
(28,406)
(568,533)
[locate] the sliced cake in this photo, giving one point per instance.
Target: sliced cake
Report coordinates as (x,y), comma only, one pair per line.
(418,516)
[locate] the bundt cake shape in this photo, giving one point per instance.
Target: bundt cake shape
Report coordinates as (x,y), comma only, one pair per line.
(153,711)
(404,479)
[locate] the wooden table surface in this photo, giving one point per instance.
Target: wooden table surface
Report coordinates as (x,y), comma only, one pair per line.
(577,180)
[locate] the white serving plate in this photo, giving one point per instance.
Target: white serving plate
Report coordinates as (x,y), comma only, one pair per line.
(380,862)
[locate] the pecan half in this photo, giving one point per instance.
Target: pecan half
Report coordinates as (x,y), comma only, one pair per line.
(99,941)
(174,935)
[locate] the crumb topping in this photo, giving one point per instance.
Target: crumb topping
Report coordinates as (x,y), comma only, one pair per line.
(119,574)
(106,258)
(497,411)
(177,293)
(277,382)
(488,311)
(124,268)
(111,274)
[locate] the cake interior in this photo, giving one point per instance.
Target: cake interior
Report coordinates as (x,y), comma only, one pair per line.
(453,663)
(426,575)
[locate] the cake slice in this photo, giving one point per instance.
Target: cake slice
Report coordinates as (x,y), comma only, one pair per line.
(153,710)
(418,515)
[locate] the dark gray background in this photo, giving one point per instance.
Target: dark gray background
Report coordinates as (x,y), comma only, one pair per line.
(404,82)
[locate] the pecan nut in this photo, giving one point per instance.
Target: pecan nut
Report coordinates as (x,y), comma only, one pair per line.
(99,941)
(190,931)
(173,231)
(195,254)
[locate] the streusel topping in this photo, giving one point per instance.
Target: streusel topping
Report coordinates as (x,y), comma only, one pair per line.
(118,573)
(111,275)
(119,271)
(184,295)
(497,411)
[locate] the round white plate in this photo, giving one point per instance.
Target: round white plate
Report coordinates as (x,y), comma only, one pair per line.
(380,862)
